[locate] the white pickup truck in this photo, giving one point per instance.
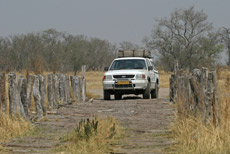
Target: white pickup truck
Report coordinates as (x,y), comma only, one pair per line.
(131,75)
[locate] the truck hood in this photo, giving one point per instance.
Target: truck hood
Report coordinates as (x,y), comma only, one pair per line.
(125,72)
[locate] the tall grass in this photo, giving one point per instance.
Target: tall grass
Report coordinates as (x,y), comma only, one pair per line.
(11,127)
(192,136)
(164,79)
(94,79)
(92,136)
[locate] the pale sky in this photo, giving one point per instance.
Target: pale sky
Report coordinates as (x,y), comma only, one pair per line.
(112,20)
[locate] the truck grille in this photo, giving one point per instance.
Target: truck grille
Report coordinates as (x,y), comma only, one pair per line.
(123,76)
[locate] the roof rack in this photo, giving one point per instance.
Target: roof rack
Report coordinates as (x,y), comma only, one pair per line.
(134,53)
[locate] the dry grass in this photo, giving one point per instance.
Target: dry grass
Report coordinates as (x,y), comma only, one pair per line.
(193,137)
(94,80)
(93,136)
(11,127)
(164,79)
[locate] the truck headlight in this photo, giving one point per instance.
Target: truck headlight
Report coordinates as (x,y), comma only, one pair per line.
(140,76)
(107,77)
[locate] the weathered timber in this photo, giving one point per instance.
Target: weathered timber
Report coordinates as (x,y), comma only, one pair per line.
(67,90)
(83,84)
(50,91)
(56,90)
(215,104)
(42,89)
(2,92)
(61,78)
(12,93)
(29,91)
(171,89)
(18,90)
(23,95)
(23,91)
(75,84)
(197,91)
(176,68)
(37,97)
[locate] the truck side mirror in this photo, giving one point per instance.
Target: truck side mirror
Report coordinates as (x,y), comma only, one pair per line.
(150,68)
(106,68)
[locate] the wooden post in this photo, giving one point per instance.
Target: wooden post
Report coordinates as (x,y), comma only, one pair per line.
(176,67)
(197,88)
(42,90)
(50,91)
(37,97)
(73,88)
(216,106)
(56,90)
(195,94)
(2,92)
(67,90)
(12,93)
(29,92)
(203,85)
(196,73)
(23,95)
(187,93)
(171,90)
(15,85)
(175,77)
(20,108)
(75,84)
(83,84)
(209,97)
(61,88)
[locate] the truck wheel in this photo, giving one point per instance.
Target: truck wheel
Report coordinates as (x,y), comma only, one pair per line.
(106,95)
(118,96)
(146,93)
(155,92)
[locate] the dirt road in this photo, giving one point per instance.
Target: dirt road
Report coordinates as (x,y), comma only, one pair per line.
(145,121)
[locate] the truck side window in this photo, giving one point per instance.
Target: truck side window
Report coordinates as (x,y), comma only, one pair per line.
(148,63)
(153,66)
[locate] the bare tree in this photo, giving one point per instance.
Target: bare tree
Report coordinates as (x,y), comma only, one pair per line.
(184,37)
(128,45)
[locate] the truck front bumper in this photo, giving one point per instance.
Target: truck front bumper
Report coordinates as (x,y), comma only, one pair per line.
(133,85)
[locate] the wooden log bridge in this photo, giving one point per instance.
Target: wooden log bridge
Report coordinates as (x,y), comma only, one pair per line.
(196,92)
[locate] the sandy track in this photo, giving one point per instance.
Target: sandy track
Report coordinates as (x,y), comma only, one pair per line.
(145,122)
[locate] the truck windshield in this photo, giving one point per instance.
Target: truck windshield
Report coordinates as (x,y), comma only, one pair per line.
(128,64)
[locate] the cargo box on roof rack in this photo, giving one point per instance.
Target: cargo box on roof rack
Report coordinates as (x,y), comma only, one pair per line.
(134,53)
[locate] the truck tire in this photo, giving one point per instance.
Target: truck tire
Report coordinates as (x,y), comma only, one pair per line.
(146,94)
(106,95)
(155,92)
(118,96)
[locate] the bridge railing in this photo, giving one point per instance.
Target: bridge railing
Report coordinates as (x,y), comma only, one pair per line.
(196,92)
(39,93)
